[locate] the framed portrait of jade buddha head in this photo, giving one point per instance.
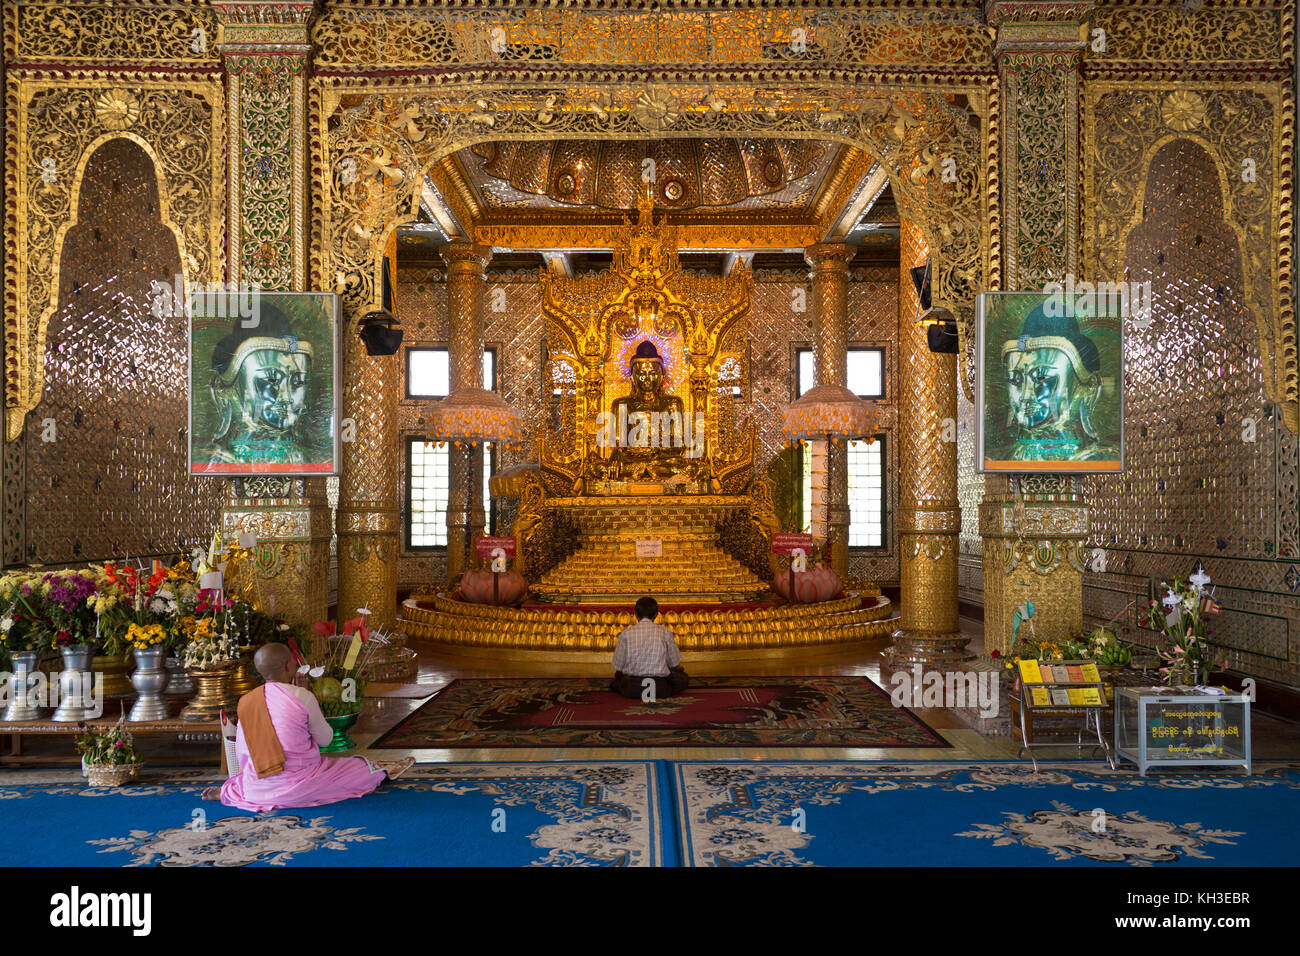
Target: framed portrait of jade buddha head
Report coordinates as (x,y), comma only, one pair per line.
(264,383)
(1049,392)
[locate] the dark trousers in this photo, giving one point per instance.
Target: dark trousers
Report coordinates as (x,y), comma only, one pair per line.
(631,686)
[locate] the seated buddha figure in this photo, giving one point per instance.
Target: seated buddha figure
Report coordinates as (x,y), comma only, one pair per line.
(648,432)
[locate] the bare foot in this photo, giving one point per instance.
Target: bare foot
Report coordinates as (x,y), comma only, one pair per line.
(212,793)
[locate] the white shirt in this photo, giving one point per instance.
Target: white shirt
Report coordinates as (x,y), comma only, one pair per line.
(646,649)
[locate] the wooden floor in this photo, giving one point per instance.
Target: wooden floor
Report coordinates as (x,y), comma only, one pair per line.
(439,665)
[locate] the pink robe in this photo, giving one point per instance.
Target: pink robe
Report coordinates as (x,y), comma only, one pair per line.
(309,778)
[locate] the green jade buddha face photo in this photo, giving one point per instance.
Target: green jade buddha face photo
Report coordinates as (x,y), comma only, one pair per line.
(1050,404)
(273,389)
(263,397)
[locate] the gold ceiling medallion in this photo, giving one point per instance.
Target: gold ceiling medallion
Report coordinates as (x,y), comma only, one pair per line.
(117,109)
(656,109)
(1183,110)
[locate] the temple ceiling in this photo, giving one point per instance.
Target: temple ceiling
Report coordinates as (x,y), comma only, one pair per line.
(714,189)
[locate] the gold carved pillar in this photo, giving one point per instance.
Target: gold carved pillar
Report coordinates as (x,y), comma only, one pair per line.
(466,287)
(1034,527)
(369,519)
(929,518)
(830,298)
(264,48)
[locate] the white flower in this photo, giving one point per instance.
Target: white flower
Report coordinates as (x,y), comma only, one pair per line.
(6,623)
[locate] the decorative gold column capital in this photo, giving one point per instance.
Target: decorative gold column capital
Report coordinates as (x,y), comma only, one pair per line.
(465,258)
(831,257)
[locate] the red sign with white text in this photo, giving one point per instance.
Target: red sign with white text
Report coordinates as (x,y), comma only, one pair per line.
(787,543)
(486,545)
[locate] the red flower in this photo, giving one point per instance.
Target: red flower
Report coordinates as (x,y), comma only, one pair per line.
(323,628)
(996,654)
(357,625)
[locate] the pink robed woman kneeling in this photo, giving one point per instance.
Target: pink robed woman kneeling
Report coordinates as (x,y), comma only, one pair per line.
(309,778)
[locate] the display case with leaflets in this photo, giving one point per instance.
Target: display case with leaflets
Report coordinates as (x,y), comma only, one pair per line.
(1182,726)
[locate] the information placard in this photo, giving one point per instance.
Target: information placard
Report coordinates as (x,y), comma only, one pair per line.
(789,542)
(485,546)
(650,548)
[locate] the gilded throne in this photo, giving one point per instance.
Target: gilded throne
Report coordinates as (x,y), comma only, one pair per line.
(643,487)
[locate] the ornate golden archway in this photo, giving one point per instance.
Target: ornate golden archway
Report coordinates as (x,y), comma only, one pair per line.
(375,147)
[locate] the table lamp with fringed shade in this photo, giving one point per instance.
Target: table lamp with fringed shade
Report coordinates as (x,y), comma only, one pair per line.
(468,416)
(473,415)
(829,413)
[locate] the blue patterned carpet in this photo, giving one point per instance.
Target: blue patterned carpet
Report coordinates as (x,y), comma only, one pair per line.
(486,814)
(694,813)
(795,813)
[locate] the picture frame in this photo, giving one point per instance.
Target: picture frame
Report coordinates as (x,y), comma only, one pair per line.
(1049,387)
(264,377)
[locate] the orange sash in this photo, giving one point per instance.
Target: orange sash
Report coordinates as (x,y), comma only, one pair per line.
(259,734)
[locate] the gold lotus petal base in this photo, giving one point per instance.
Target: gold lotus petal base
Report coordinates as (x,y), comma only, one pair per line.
(545,629)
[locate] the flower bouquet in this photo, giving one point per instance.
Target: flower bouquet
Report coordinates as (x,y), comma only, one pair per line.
(334,663)
(1180,618)
(23,624)
(109,756)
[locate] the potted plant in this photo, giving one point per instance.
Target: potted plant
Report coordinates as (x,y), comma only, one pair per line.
(1180,618)
(109,756)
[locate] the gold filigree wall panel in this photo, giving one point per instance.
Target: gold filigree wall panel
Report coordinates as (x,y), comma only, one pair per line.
(176,35)
(1240,35)
(380,144)
(1246,129)
(970,492)
(105,470)
(56,126)
(764,36)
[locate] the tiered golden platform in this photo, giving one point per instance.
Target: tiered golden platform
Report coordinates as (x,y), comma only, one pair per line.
(691,569)
(860,615)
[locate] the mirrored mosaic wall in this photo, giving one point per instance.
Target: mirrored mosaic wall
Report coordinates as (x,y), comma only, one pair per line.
(105,450)
(768,343)
(1211,472)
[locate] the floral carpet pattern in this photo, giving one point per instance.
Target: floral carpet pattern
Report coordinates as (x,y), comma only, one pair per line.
(692,813)
(535,814)
(811,813)
(712,712)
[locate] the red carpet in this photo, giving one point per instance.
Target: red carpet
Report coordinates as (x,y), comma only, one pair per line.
(712,712)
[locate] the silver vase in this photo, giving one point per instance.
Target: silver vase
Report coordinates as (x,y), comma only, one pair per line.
(75,685)
(179,681)
(149,680)
(21,683)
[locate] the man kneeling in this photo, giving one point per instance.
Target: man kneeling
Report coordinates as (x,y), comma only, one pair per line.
(648,650)
(281,730)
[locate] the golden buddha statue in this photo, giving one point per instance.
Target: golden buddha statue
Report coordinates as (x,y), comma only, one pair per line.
(648,432)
